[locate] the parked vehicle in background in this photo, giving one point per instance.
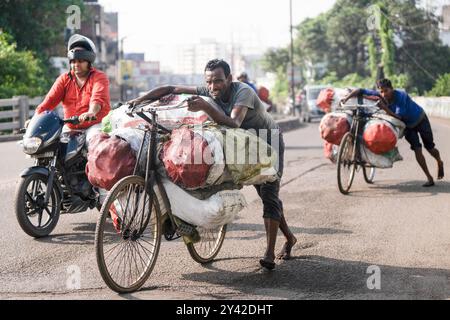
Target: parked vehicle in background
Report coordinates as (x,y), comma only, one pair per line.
(309,108)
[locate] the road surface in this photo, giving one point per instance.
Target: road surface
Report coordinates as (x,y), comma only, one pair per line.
(390,240)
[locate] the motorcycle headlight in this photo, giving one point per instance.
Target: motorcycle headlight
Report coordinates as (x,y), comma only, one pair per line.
(31,145)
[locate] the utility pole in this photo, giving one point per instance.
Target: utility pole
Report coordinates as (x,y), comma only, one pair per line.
(292,60)
(121,65)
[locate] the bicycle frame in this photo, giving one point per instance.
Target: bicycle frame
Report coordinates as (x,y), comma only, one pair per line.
(151,175)
(358,119)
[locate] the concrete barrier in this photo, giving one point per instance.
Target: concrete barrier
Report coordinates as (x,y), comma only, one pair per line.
(435,107)
(288,124)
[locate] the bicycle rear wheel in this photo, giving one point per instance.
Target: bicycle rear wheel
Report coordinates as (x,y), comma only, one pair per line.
(210,243)
(369,174)
(346,164)
(126,246)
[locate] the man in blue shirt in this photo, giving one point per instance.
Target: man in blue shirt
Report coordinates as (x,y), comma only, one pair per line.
(399,104)
(243,77)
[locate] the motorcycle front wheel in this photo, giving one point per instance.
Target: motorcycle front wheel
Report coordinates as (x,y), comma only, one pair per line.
(36,218)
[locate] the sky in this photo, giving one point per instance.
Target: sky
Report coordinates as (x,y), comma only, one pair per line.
(158,27)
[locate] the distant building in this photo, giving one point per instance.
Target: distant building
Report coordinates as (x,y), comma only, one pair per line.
(193,58)
(138,57)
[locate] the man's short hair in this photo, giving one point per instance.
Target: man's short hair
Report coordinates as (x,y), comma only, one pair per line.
(384,83)
(216,63)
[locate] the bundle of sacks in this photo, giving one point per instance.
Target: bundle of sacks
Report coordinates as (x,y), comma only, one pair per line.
(380,136)
(197,158)
(110,158)
(332,128)
(118,118)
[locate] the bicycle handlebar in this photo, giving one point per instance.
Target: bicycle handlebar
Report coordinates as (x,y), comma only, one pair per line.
(356,106)
(147,107)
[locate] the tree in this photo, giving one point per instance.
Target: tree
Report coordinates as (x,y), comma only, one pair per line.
(37,25)
(20,71)
(442,87)
(38,29)
(406,43)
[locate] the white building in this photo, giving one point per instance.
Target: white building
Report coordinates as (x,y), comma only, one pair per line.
(191,59)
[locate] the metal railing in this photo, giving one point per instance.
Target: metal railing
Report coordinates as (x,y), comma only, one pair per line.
(21,109)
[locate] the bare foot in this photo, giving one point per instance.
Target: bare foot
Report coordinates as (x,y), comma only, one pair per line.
(268,262)
(285,253)
(440,170)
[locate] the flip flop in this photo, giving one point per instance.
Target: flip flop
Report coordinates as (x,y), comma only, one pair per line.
(440,171)
(267,264)
(428,184)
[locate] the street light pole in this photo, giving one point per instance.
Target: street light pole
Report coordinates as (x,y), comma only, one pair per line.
(292,60)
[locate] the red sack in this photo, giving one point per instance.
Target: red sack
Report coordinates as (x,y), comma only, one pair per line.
(263,94)
(184,158)
(379,137)
(109,160)
(333,128)
(325,99)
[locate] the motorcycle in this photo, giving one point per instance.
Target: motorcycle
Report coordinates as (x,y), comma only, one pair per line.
(57,183)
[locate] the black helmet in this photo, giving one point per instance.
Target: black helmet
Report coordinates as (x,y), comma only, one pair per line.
(81,47)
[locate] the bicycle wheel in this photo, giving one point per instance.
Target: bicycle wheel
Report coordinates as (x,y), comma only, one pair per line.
(208,247)
(346,164)
(369,175)
(126,246)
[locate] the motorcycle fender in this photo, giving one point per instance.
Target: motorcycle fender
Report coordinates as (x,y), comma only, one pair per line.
(32,170)
(41,170)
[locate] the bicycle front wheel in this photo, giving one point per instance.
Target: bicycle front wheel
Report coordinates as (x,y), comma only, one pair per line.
(346,164)
(369,174)
(128,235)
(208,247)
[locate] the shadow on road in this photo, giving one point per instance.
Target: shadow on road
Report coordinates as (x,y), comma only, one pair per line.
(316,277)
(410,189)
(261,233)
(86,236)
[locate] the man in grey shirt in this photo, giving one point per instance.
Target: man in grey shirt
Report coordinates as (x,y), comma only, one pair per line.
(237,106)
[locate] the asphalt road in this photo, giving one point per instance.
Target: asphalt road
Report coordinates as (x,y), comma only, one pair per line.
(389,240)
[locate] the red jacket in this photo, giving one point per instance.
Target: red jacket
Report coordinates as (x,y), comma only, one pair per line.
(76,100)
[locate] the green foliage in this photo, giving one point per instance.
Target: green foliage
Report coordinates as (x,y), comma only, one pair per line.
(352,80)
(33,31)
(37,25)
(441,87)
(20,71)
(281,89)
(339,44)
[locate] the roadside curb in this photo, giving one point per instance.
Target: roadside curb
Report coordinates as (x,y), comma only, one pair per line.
(289,124)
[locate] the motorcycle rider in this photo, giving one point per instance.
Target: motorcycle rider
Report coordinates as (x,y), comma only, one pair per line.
(83,91)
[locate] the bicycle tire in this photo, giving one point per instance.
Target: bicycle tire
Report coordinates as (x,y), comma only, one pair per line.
(342,163)
(207,236)
(102,229)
